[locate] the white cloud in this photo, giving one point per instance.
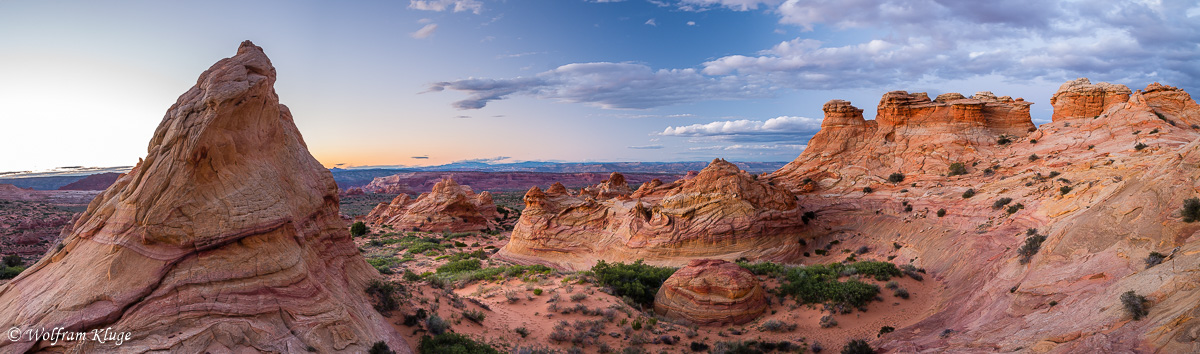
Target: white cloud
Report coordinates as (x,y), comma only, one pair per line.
(651,22)
(778,125)
(442,5)
(691,23)
(736,5)
(425,32)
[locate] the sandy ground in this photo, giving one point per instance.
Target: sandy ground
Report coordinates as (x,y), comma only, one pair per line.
(509,304)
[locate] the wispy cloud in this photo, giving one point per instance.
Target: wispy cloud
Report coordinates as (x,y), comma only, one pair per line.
(421,157)
(651,22)
(442,5)
(646,147)
(425,32)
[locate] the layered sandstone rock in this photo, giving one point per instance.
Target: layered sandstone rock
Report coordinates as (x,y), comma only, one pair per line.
(225,238)
(911,135)
(711,292)
(723,212)
(1103,201)
(450,206)
(614,186)
(1081,98)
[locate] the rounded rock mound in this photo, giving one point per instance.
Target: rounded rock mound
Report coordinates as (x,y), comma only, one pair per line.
(711,292)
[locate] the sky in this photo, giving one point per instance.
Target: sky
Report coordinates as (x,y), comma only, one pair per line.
(426,82)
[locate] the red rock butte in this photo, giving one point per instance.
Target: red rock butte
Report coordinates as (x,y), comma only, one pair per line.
(225,238)
(448,207)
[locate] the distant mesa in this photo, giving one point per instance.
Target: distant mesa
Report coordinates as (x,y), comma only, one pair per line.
(96,182)
(722,212)
(448,207)
(711,292)
(224,238)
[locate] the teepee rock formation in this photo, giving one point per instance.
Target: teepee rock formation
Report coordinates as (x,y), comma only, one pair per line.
(225,238)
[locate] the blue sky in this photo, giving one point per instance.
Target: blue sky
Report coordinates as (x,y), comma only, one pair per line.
(436,81)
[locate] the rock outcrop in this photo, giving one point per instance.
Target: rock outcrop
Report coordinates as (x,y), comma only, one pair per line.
(225,238)
(711,292)
(1081,98)
(1104,187)
(911,134)
(450,206)
(723,212)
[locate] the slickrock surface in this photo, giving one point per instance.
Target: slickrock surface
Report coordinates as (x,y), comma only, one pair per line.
(711,292)
(1103,201)
(911,133)
(450,206)
(722,213)
(225,238)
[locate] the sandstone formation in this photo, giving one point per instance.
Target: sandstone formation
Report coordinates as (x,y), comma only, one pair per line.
(450,206)
(420,182)
(225,238)
(711,292)
(1081,98)
(911,134)
(723,212)
(1104,186)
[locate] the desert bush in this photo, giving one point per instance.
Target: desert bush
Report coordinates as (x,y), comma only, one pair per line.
(12,260)
(819,284)
(941,212)
(1191,210)
(1134,304)
(776,326)
(970,192)
(957,168)
(698,347)
(384,294)
(828,321)
(1003,140)
(379,348)
(436,325)
(537,292)
(901,293)
(1064,190)
(763,268)
(638,281)
(896,177)
(460,266)
(857,346)
(1154,259)
(1015,208)
(453,343)
(885,330)
(912,272)
(10,272)
(1030,248)
(358,229)
(524,332)
(1033,157)
(881,271)
(1139,146)
(862,250)
(474,316)
(868,190)
(577,297)
(892,285)
(1000,203)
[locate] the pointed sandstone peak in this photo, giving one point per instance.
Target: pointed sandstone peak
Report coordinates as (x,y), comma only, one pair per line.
(226,237)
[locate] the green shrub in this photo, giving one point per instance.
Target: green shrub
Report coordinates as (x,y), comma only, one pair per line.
(969,193)
(13,260)
(537,292)
(941,212)
(638,281)
(881,271)
(10,272)
(436,325)
(896,177)
(1015,208)
(460,266)
(957,169)
(1135,304)
(764,268)
(1191,210)
(453,343)
(358,229)
(1064,190)
(819,284)
(474,316)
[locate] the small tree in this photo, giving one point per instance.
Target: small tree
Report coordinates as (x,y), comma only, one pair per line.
(358,229)
(12,260)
